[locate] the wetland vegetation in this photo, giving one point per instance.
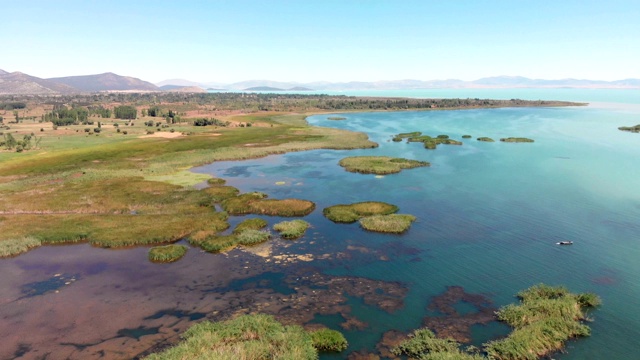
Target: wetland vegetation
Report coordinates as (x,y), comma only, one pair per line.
(392,223)
(167,253)
(291,229)
(545,319)
(349,213)
(380,165)
(634,129)
(517,140)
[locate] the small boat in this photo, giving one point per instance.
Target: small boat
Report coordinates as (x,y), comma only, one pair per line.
(565,243)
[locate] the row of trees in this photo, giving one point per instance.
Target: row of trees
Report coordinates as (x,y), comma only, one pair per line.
(125,112)
(9,142)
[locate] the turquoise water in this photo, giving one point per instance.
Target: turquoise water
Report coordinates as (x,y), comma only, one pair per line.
(489,214)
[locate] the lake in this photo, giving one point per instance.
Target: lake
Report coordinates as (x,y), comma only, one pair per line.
(489,216)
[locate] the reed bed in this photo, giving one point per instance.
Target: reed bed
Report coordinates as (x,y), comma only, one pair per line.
(250,224)
(327,340)
(167,253)
(245,337)
(393,223)
(251,237)
(380,165)
(291,229)
(517,140)
(349,213)
(13,247)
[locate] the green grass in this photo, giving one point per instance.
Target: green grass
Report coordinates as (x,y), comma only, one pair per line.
(13,247)
(167,253)
(250,224)
(327,340)
(379,165)
(516,140)
(423,344)
(291,229)
(284,207)
(429,142)
(248,337)
(350,213)
(215,244)
(393,223)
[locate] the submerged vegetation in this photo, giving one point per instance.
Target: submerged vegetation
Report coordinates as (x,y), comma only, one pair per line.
(350,213)
(291,229)
(337,118)
(393,223)
(546,317)
(379,165)
(167,253)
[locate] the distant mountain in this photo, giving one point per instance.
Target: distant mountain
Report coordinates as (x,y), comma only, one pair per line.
(2,72)
(20,83)
(177,82)
(105,82)
(300,88)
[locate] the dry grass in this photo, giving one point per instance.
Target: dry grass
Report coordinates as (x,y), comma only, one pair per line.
(393,223)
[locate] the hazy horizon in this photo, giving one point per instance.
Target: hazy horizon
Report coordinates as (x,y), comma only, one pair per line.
(334,41)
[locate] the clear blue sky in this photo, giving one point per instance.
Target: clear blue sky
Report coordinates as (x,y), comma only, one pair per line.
(228,41)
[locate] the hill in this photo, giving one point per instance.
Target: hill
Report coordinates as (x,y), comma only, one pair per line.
(20,83)
(105,82)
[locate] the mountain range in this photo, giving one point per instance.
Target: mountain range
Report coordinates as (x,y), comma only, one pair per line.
(20,83)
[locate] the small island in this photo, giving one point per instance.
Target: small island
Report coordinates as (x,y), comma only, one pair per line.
(486,139)
(379,165)
(428,141)
(291,230)
(517,140)
(633,129)
(392,223)
(167,253)
(351,213)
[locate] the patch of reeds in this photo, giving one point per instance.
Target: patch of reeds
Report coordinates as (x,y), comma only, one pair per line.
(327,340)
(13,247)
(546,317)
(486,139)
(466,136)
(635,129)
(216,181)
(393,223)
(379,165)
(239,205)
(517,140)
(245,337)
(399,137)
(250,224)
(216,244)
(284,207)
(251,237)
(167,253)
(220,193)
(291,229)
(353,212)
(423,344)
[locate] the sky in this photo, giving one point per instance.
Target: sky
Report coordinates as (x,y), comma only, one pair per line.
(322,40)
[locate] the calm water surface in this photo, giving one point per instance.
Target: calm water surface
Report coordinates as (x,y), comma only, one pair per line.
(489,215)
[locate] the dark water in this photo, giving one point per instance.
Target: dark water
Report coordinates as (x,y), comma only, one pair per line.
(489,215)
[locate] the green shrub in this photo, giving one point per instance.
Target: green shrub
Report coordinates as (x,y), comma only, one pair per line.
(327,340)
(167,253)
(291,229)
(215,181)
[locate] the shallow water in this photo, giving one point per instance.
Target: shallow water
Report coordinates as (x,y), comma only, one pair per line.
(489,215)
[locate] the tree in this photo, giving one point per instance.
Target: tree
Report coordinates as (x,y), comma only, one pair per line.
(125,112)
